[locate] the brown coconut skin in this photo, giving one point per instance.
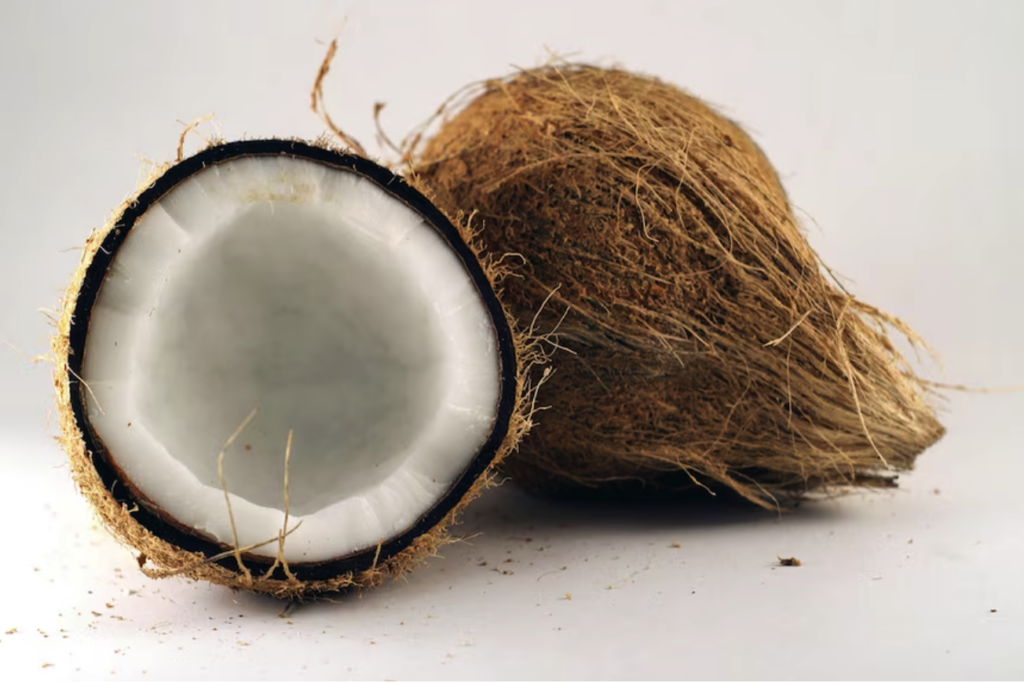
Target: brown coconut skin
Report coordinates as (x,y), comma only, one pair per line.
(157,557)
(703,341)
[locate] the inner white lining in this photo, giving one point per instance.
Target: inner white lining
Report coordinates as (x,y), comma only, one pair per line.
(312,294)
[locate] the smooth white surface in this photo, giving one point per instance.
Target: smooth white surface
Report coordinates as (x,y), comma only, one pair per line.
(327,306)
(896,126)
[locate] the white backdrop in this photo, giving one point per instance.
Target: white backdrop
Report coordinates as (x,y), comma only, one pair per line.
(896,126)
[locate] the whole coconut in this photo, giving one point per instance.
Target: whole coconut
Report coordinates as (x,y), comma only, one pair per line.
(705,342)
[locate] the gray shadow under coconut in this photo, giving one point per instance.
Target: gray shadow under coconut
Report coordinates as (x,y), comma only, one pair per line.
(507,516)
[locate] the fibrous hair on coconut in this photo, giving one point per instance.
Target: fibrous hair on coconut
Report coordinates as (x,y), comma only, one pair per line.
(280,368)
(708,345)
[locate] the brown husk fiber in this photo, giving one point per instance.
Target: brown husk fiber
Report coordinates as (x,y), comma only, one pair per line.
(707,343)
(160,559)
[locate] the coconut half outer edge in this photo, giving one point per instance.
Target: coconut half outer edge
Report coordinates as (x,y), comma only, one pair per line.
(165,549)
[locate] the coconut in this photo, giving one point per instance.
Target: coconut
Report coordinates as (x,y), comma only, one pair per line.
(704,342)
(281,368)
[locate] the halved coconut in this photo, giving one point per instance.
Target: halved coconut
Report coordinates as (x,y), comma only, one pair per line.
(272,298)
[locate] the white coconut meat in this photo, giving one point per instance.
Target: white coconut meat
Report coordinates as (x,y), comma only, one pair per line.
(310,294)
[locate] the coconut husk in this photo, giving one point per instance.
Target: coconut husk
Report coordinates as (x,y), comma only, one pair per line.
(160,559)
(703,342)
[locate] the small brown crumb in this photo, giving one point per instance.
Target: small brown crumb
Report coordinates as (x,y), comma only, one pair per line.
(937,492)
(10,631)
(47,665)
(789,562)
(243,643)
(483,564)
(248,446)
(993,611)
(568,596)
(674,545)
(96,614)
(109,606)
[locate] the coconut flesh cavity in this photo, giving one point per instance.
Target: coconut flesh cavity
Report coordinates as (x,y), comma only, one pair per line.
(266,299)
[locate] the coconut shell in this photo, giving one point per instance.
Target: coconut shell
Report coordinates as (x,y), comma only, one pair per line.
(159,558)
(701,341)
